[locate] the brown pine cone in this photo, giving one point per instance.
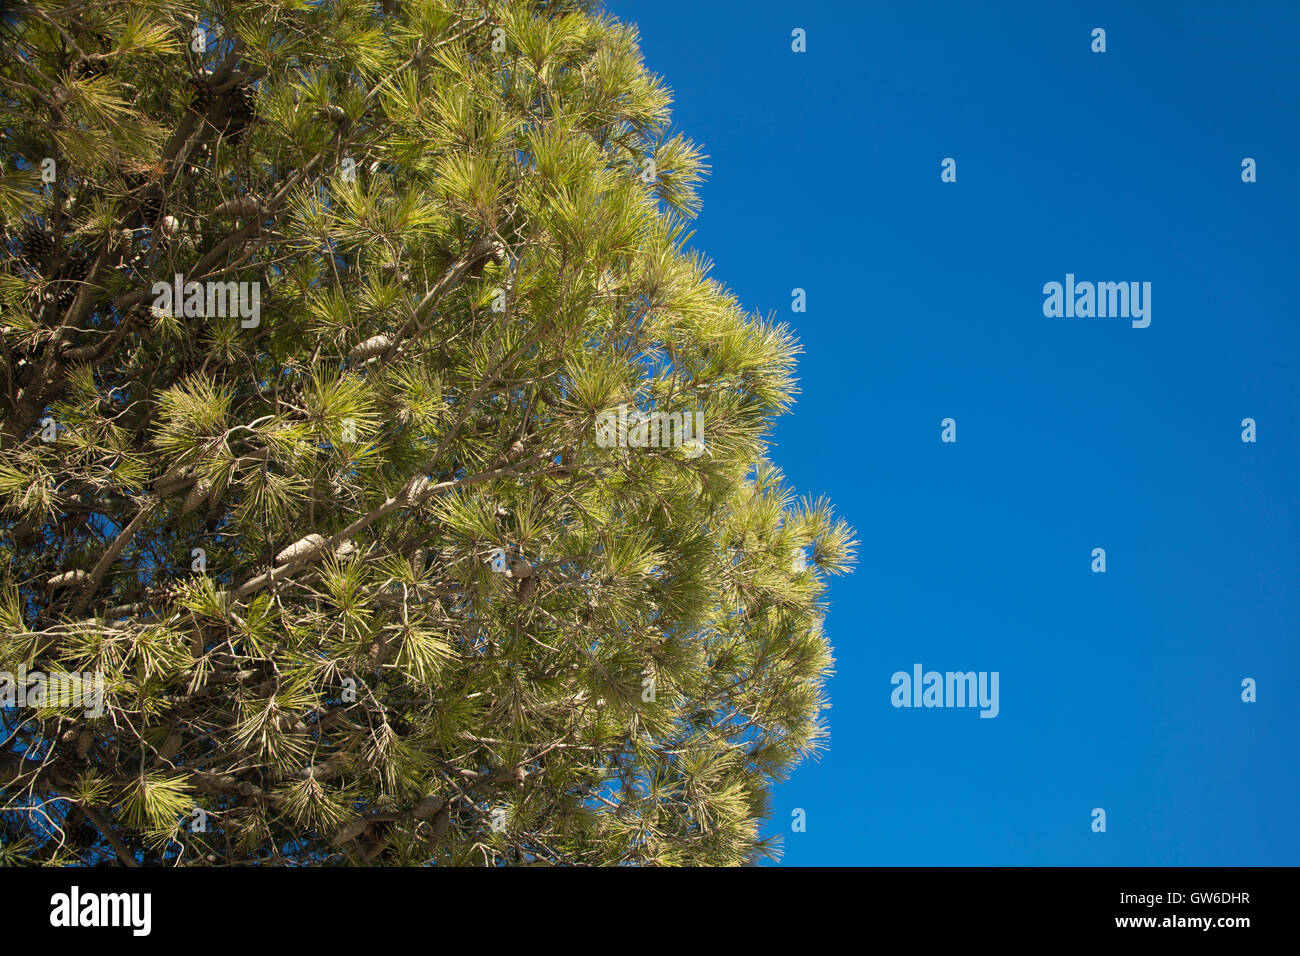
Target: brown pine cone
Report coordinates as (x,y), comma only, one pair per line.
(37,244)
(239,113)
(201,102)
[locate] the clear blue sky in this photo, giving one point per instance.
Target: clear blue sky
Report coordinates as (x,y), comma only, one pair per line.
(1119,690)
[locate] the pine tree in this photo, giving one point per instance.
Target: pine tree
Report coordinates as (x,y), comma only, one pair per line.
(368,572)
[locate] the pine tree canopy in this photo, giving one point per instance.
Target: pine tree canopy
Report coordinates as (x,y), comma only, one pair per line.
(371,427)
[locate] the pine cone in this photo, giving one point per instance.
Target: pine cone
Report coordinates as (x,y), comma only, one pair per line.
(308,544)
(202,488)
(66,578)
(147,196)
(428,807)
(74,274)
(351,831)
(151,207)
(441,821)
(239,113)
(172,481)
(483,249)
(375,345)
(242,207)
(508,775)
(201,102)
(37,244)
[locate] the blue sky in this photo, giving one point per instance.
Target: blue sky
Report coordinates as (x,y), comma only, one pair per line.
(1119,690)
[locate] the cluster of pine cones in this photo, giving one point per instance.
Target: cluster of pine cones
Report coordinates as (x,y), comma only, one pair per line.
(238,101)
(37,248)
